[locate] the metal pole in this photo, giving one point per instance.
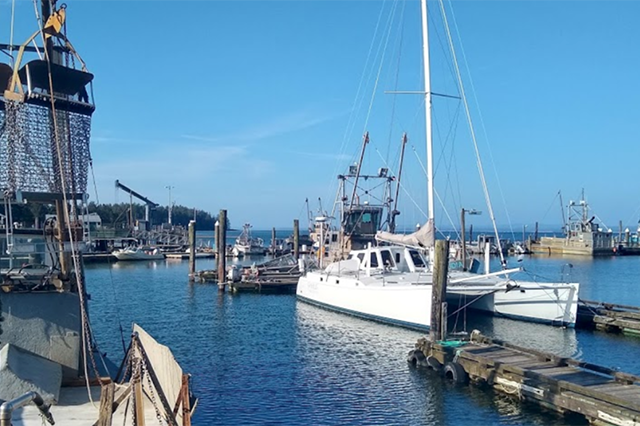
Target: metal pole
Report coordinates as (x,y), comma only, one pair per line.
(192,250)
(7,408)
(169,209)
(394,212)
(464,241)
(427,101)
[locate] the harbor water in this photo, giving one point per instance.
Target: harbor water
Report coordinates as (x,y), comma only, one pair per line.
(268,359)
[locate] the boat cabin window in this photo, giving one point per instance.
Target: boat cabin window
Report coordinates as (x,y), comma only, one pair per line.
(373,261)
(387,259)
(418,261)
(334,238)
(360,257)
(397,258)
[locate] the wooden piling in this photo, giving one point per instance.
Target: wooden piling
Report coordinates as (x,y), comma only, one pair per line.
(438,330)
(192,250)
(222,248)
(296,238)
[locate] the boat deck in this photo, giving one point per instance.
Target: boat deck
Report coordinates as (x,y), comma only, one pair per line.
(76,409)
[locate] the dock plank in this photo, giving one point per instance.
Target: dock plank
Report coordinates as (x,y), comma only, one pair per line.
(601,394)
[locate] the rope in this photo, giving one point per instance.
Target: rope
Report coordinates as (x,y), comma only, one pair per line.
(86,326)
(13,8)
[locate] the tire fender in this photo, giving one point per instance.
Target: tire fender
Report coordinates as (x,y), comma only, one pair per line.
(455,372)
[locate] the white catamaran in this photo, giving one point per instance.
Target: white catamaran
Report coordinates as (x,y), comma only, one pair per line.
(392,283)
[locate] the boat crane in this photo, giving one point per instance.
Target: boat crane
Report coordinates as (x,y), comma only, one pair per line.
(148,203)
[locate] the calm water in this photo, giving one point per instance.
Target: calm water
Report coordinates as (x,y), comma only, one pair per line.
(271,360)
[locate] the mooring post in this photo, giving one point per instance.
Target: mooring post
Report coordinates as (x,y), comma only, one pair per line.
(192,250)
(439,291)
(296,238)
(471,233)
(273,241)
(222,249)
(620,232)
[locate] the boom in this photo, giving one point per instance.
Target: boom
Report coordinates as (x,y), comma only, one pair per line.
(148,203)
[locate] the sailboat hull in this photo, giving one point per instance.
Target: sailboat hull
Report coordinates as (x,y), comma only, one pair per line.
(552,303)
(374,298)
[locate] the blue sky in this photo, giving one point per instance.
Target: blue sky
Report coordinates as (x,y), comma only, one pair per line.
(249,106)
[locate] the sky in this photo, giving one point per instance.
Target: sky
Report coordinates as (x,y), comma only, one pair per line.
(256,106)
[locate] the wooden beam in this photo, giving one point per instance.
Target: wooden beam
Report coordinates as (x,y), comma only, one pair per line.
(439,290)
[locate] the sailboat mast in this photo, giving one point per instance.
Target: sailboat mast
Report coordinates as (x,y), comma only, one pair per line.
(427,101)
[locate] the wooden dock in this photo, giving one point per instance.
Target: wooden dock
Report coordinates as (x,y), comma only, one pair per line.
(264,285)
(98,258)
(609,317)
(185,255)
(602,395)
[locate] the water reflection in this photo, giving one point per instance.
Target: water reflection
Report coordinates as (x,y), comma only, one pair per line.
(269,359)
(557,340)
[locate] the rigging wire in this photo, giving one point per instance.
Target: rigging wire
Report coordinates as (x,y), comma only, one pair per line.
(384,52)
(550,206)
(355,104)
(405,190)
(480,117)
(395,85)
(453,226)
(473,137)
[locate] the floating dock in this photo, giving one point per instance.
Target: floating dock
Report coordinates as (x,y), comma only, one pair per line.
(601,395)
(609,317)
(185,255)
(98,257)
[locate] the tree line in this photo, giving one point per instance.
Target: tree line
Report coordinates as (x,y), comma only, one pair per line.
(118,216)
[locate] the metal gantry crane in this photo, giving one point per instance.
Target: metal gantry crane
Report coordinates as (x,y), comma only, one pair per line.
(148,203)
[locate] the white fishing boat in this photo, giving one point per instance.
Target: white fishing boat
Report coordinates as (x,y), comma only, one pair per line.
(246,245)
(359,286)
(138,253)
(392,283)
